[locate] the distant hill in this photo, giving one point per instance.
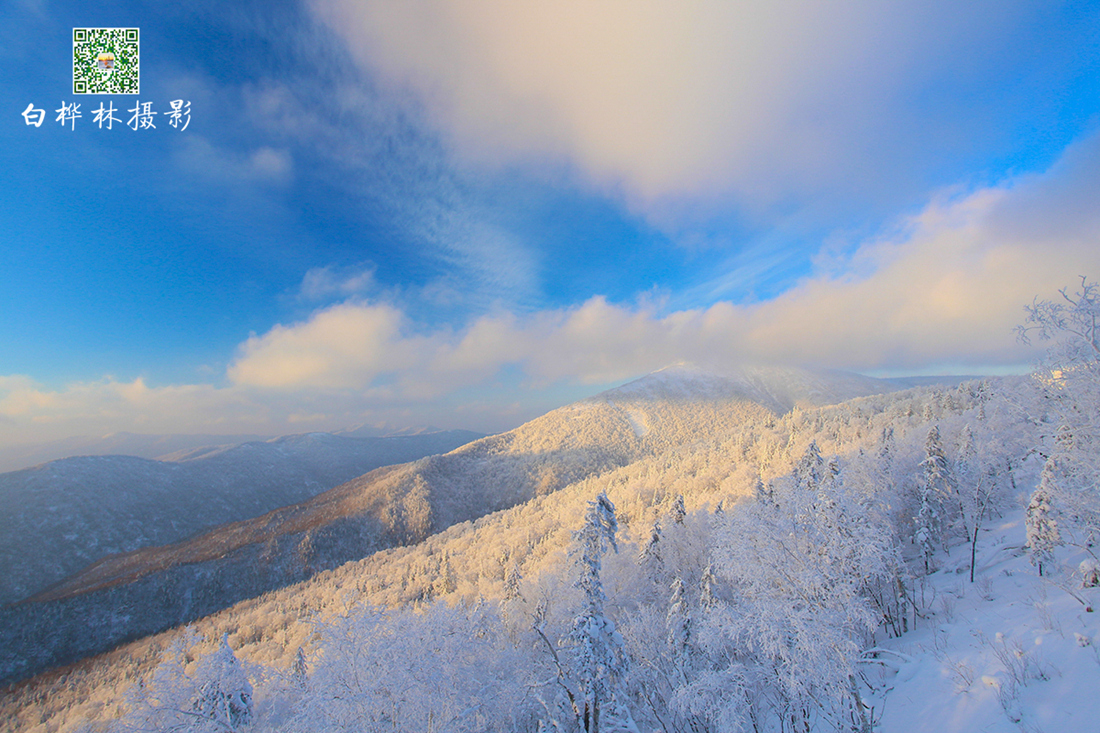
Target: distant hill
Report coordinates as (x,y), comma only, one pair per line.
(777,388)
(60,516)
(402,505)
(943,380)
(14,458)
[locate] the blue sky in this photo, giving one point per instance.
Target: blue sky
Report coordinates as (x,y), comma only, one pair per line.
(465,213)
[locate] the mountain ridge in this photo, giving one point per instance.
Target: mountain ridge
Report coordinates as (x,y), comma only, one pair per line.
(64,514)
(403,505)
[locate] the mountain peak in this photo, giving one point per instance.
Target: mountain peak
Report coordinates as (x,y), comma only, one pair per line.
(776,387)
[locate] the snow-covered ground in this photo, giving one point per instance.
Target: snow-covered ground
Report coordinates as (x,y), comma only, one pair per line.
(1011,652)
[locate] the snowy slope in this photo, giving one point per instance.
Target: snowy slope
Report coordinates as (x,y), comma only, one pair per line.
(715,459)
(673,406)
(716,446)
(778,388)
(405,504)
(1011,652)
(65,514)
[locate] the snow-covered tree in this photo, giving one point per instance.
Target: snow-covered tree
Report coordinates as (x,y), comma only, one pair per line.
(512,580)
(596,645)
(438,667)
(678,623)
(1069,380)
(809,470)
(976,484)
(1042,526)
(937,484)
(193,691)
(650,556)
(299,671)
(798,571)
(678,511)
(760,491)
(707,597)
(224,692)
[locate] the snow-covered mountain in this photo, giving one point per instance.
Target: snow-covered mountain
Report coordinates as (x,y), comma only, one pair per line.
(60,516)
(778,388)
(164,446)
(18,457)
(657,448)
(399,505)
(383,430)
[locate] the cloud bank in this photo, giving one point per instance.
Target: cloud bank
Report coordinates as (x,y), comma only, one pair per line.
(945,286)
(695,101)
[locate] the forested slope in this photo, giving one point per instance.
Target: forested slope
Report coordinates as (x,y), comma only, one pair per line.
(395,506)
(63,515)
(519,557)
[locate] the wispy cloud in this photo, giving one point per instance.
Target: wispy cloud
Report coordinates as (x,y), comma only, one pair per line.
(944,286)
(263,164)
(680,105)
(321,283)
(377,153)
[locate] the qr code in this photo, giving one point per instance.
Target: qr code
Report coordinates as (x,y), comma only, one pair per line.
(105,61)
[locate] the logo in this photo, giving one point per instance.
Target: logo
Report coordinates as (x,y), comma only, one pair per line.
(106,61)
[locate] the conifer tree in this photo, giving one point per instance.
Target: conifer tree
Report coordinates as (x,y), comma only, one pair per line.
(1042,527)
(678,510)
(597,646)
(299,671)
(651,553)
(224,694)
(809,471)
(512,578)
(707,599)
(937,483)
(678,623)
(763,493)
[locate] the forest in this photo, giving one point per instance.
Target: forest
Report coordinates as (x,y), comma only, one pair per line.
(788,572)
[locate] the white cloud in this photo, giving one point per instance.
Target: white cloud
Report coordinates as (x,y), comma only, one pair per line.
(321,283)
(674,99)
(343,347)
(946,286)
(262,165)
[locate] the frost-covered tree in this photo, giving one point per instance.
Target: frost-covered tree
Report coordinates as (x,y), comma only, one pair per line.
(512,579)
(678,511)
(596,645)
(678,624)
(1042,526)
(937,484)
(1069,380)
(798,613)
(810,468)
(225,693)
(888,445)
(193,691)
(707,597)
(760,491)
(438,667)
(650,556)
(976,481)
(299,671)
